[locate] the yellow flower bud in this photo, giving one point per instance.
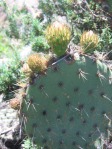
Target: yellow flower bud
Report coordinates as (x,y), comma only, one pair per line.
(37,62)
(58,36)
(88,41)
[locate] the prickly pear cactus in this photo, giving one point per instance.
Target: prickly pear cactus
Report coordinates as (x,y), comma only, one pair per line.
(70,106)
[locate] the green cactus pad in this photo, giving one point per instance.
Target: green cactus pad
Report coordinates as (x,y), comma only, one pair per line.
(70,106)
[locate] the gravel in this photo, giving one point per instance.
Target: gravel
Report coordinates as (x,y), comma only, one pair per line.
(9,127)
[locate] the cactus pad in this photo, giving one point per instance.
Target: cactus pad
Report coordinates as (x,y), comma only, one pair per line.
(70,106)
